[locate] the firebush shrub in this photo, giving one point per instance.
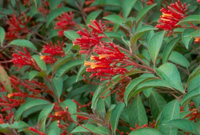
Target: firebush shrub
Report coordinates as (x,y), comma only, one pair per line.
(99,67)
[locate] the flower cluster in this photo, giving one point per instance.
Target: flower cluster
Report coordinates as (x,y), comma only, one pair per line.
(108,62)
(17,27)
(65,22)
(90,39)
(51,50)
(21,59)
(106,58)
(44,8)
(172,15)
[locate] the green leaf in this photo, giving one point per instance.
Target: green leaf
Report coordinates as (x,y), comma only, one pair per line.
(145,131)
(4,80)
(132,85)
(190,19)
(170,75)
(35,73)
(61,62)
(2,36)
(72,35)
(190,95)
(127,6)
(40,62)
(137,113)
(54,3)
(157,102)
(57,83)
(114,18)
(142,13)
(155,44)
(28,105)
(170,111)
(97,130)
(114,118)
(69,65)
(23,43)
(169,48)
(178,58)
(80,72)
(140,32)
(194,73)
(185,125)
(43,116)
(55,13)
(53,129)
(93,15)
(187,38)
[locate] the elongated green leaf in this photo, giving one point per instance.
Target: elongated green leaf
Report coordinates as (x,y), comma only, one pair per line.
(137,113)
(114,18)
(170,74)
(69,65)
(2,35)
(57,83)
(143,12)
(72,35)
(157,102)
(178,58)
(140,32)
(30,104)
(190,95)
(61,62)
(185,125)
(20,125)
(194,73)
(127,6)
(54,3)
(4,80)
(35,73)
(114,118)
(40,62)
(187,38)
(53,129)
(169,48)
(155,44)
(190,19)
(93,15)
(97,130)
(131,86)
(170,111)
(55,13)
(43,116)
(23,43)
(145,131)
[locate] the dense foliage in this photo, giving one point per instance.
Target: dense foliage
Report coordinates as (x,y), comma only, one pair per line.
(102,67)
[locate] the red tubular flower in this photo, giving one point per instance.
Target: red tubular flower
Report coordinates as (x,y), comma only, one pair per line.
(17,27)
(171,16)
(198,0)
(90,39)
(150,2)
(21,59)
(36,131)
(197,40)
(108,63)
(26,2)
(65,22)
(44,8)
(52,50)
